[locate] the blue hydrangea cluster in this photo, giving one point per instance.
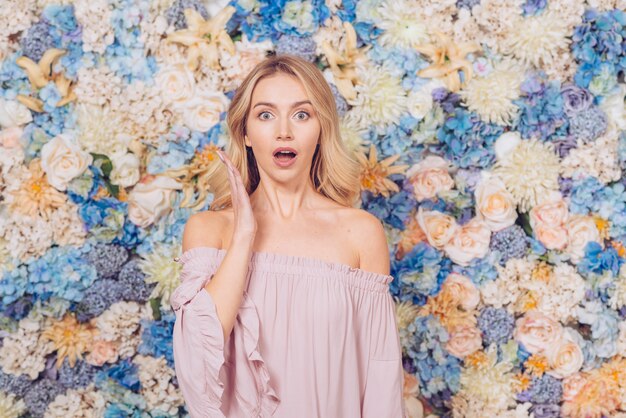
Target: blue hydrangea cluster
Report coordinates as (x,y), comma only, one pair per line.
(340,102)
(275,18)
(13,284)
(301,46)
(133,282)
(588,124)
(480,270)
(466,4)
(598,260)
(394,210)
(609,202)
(17,385)
(467,141)
(37,40)
(18,309)
(175,14)
(598,45)
(125,56)
(79,376)
(64,272)
(438,371)
(422,271)
(123,372)
(175,149)
(104,217)
(156,338)
(510,242)
(107,259)
(541,108)
(40,394)
(533,7)
(543,390)
(496,325)
(97,299)
(55,120)
(548,410)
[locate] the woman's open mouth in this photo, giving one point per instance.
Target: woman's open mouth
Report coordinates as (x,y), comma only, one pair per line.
(285,157)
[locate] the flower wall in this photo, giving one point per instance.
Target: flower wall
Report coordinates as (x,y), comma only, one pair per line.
(492,140)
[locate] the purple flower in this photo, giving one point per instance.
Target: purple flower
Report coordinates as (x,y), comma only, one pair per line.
(575,99)
(588,124)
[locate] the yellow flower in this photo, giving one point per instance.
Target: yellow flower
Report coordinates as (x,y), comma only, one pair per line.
(374,173)
(36,197)
(70,338)
(343,63)
(39,76)
(406,312)
(204,38)
(447,60)
(159,268)
(537,365)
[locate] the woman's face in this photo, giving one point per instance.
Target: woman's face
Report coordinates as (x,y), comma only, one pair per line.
(281,115)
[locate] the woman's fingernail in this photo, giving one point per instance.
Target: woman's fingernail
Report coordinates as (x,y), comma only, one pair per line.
(219,154)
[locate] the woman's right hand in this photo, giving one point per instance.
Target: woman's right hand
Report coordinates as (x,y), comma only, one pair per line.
(245,225)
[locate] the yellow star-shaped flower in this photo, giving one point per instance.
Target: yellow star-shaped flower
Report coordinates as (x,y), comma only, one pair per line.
(39,75)
(204,38)
(448,59)
(374,173)
(343,65)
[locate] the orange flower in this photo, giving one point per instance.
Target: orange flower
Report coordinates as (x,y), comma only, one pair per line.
(374,173)
(536,365)
(71,339)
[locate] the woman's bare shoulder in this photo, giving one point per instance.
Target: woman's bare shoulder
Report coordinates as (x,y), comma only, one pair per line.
(206,228)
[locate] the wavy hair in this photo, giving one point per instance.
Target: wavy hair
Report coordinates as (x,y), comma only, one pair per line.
(334,170)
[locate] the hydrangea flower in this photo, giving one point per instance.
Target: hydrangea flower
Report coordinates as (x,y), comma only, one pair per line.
(541,108)
(496,325)
(156,338)
(40,394)
(300,46)
(175,13)
(37,40)
(422,271)
(510,242)
(589,124)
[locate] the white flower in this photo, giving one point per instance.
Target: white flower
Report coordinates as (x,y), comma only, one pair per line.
(613,106)
(492,96)
(176,84)
(380,100)
(156,384)
(63,160)
(530,172)
(13,113)
(125,171)
(494,204)
(150,200)
(565,357)
(299,14)
(581,229)
(506,143)
(202,112)
(402,23)
(420,102)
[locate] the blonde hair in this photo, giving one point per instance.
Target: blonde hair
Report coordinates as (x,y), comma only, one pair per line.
(334,172)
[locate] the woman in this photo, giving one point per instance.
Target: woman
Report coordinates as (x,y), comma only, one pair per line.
(284,308)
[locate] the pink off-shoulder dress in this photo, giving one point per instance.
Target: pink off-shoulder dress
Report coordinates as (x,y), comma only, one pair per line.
(313,339)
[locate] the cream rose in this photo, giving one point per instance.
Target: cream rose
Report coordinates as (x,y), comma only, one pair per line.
(63,160)
(203,111)
(102,352)
(470,241)
(176,84)
(13,113)
(462,291)
(438,227)
(151,199)
(464,341)
(125,171)
(10,137)
(430,177)
(565,358)
(506,143)
(537,332)
(581,229)
(551,214)
(551,238)
(495,204)
(572,385)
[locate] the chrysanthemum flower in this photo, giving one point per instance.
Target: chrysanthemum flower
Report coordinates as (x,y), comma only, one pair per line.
(492,96)
(70,338)
(529,172)
(159,268)
(402,23)
(374,173)
(10,407)
(36,197)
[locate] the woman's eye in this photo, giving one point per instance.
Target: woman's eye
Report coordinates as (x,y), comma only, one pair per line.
(306,115)
(263,113)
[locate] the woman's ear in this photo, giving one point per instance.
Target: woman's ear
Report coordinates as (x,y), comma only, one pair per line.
(247,141)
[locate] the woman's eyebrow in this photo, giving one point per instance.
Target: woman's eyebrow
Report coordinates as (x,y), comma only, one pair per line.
(296,104)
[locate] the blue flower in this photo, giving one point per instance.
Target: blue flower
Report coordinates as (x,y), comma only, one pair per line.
(541,108)
(394,210)
(123,372)
(156,338)
(533,7)
(13,285)
(496,325)
(421,272)
(597,260)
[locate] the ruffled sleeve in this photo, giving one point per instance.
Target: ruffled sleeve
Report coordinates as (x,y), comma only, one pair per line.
(209,389)
(382,356)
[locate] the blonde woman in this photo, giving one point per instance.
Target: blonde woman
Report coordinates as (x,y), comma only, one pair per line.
(284,308)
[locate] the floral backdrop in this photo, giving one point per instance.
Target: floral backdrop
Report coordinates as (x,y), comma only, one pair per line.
(492,139)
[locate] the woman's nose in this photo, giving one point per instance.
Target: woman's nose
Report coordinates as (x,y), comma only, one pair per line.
(284,128)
